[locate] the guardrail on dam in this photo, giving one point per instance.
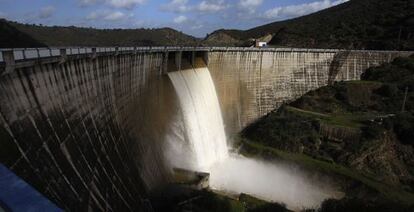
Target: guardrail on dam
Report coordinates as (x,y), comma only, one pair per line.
(86,126)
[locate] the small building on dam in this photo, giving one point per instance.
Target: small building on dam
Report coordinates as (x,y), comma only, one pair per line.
(86,127)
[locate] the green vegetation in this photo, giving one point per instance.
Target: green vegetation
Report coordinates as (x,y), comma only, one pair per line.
(390,192)
(398,79)
(256,205)
(354,204)
(352,120)
(13,35)
(246,203)
(206,201)
(357,24)
(356,131)
(332,131)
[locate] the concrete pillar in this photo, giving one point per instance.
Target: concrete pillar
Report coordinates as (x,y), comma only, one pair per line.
(178,56)
(116,51)
(205,57)
(93,55)
(192,59)
(63,56)
(8,58)
(165,63)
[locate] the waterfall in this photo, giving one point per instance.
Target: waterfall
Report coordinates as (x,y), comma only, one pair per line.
(202,120)
(197,142)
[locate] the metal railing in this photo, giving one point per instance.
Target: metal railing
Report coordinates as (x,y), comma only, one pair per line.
(33,53)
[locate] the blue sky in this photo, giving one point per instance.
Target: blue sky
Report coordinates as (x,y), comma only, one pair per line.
(195,17)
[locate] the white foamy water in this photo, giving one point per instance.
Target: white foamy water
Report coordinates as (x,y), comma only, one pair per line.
(198,142)
(269,181)
(203,124)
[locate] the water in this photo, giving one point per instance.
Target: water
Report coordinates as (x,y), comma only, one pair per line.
(269,181)
(197,141)
(202,121)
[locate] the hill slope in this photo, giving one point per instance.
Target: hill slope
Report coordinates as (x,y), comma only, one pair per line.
(14,34)
(359,125)
(357,24)
(12,37)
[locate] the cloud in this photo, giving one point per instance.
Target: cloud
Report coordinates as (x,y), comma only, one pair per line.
(115,16)
(250,3)
(126,4)
(108,16)
(180,19)
(3,15)
(87,2)
(46,12)
(301,9)
(205,6)
(197,26)
(211,6)
(249,6)
(178,6)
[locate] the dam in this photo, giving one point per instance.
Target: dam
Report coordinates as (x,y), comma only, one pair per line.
(87,127)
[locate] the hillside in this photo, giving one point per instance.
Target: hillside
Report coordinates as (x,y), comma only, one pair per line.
(357,24)
(12,37)
(13,34)
(363,130)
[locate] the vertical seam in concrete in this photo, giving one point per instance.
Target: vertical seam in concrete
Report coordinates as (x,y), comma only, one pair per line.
(51,126)
(260,84)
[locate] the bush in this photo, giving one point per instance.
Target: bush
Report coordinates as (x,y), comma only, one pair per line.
(280,130)
(372,130)
(398,71)
(387,90)
(404,128)
(347,205)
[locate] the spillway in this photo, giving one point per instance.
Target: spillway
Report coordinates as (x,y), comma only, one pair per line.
(87,127)
(203,123)
(202,129)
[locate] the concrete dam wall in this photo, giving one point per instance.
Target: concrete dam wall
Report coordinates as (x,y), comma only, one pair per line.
(250,84)
(87,128)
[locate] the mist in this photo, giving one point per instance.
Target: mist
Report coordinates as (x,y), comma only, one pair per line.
(196,141)
(269,181)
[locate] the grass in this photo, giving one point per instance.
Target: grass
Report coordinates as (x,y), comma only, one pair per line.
(389,192)
(362,82)
(254,204)
(252,201)
(351,120)
(211,201)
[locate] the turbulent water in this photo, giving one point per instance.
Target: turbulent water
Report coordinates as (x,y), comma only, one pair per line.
(269,181)
(203,124)
(197,141)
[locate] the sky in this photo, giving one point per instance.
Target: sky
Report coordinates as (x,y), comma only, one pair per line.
(194,17)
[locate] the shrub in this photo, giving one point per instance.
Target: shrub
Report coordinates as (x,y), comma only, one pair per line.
(348,204)
(387,90)
(404,128)
(372,130)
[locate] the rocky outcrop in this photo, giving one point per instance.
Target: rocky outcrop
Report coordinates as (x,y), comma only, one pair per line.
(386,159)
